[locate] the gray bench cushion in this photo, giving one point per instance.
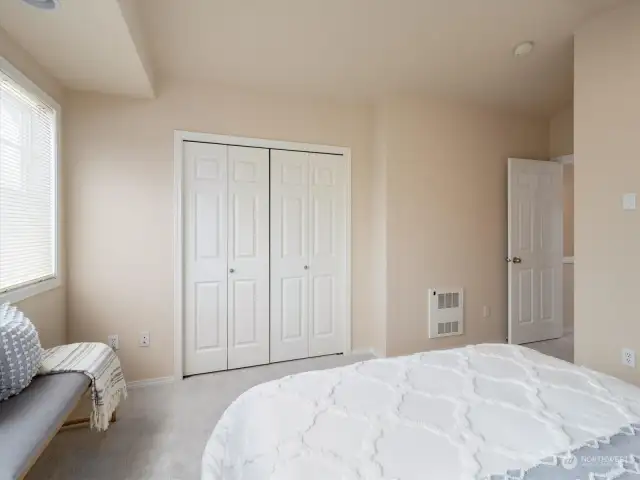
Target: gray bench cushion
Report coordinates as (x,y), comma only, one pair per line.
(29,419)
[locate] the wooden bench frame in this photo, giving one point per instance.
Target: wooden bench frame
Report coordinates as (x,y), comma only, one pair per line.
(78,422)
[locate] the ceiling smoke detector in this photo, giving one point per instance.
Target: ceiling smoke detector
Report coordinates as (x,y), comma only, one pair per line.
(43,4)
(523,49)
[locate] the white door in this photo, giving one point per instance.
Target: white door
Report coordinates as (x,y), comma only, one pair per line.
(327,254)
(248,257)
(308,254)
(205,257)
(535,250)
(289,255)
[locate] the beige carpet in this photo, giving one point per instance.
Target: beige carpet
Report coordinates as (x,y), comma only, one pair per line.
(561,348)
(161,430)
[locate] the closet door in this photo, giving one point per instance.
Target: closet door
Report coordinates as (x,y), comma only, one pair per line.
(205,257)
(248,257)
(308,254)
(289,255)
(327,253)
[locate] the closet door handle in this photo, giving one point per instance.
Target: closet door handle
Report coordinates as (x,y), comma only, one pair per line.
(231,270)
(306,267)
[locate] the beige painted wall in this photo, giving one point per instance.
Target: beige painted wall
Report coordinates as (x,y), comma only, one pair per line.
(568,296)
(561,143)
(379,238)
(569,202)
(561,133)
(607,124)
(446,206)
(120,194)
(47,311)
(568,239)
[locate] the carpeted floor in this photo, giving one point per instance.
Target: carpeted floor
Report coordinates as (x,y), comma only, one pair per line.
(161,430)
(561,348)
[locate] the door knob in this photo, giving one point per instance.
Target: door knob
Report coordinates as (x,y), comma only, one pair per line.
(231,270)
(517,260)
(306,267)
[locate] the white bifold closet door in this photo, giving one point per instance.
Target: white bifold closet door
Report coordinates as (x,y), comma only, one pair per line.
(226,257)
(308,254)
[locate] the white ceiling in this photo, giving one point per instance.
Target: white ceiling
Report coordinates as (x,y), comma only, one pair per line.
(350,49)
(86,44)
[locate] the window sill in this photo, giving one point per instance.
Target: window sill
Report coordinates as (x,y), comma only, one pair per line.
(22,293)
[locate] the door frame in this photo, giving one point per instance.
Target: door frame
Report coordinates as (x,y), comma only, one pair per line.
(179,137)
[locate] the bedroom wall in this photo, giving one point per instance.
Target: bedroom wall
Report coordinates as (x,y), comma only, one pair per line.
(607,122)
(561,143)
(568,280)
(379,227)
(48,310)
(120,193)
(429,208)
(446,207)
(561,133)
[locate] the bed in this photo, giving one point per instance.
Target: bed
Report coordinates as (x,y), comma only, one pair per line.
(496,412)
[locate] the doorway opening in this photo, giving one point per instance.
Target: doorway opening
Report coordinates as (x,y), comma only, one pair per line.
(541,256)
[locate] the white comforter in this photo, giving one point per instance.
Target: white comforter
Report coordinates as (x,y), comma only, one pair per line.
(445,415)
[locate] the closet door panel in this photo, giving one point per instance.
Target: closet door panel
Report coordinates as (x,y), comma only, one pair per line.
(327,253)
(248,257)
(289,255)
(205,258)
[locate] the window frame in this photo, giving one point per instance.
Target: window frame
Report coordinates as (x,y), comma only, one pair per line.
(21,292)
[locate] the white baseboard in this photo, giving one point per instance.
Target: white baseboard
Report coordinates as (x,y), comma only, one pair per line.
(366,351)
(149,382)
(164,380)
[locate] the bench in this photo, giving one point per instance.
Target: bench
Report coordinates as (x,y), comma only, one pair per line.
(29,420)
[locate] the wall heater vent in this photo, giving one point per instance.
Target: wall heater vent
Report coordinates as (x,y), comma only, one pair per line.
(446,312)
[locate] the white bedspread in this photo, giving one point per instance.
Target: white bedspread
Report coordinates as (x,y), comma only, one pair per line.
(445,415)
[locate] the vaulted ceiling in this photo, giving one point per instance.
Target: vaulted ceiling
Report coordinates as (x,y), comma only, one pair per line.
(345,49)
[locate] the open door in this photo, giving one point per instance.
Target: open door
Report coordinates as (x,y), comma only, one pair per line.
(535,250)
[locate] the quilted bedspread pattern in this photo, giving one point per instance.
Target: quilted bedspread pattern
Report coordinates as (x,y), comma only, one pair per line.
(458,414)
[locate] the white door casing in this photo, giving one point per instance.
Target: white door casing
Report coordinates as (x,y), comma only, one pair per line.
(289,255)
(535,250)
(248,257)
(327,253)
(205,257)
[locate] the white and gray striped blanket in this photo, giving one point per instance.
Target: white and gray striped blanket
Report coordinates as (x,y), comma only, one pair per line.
(98,362)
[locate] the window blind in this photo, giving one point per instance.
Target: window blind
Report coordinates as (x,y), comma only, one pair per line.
(27,186)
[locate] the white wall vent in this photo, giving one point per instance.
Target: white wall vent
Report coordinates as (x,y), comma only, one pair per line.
(446,312)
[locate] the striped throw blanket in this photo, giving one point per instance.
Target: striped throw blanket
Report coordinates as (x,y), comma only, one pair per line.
(98,362)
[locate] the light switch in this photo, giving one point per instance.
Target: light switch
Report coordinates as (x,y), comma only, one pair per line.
(629,201)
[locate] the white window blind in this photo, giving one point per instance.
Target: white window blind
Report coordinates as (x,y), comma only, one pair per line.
(27,186)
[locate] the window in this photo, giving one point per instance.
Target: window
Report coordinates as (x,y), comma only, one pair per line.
(28,193)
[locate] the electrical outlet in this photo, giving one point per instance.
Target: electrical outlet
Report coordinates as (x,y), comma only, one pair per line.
(145,339)
(486,311)
(629,357)
(114,342)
